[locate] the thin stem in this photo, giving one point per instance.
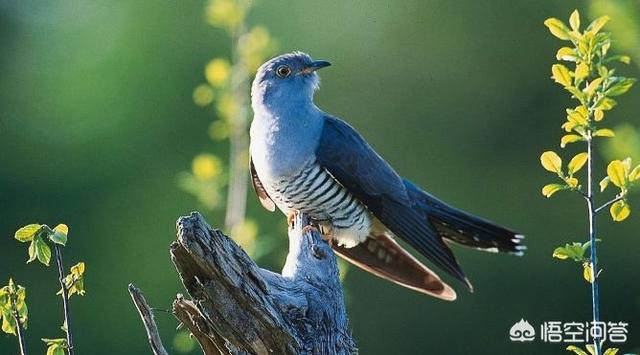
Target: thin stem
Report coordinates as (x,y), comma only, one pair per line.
(610,202)
(23,346)
(239,142)
(65,298)
(595,302)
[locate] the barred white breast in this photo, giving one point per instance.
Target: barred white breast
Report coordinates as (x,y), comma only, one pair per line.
(314,191)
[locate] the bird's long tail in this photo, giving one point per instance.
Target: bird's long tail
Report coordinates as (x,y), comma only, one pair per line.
(464,228)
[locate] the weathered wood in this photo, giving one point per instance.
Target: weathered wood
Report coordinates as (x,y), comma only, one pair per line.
(239,308)
(147,320)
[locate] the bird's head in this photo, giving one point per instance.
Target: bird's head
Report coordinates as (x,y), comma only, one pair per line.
(286,79)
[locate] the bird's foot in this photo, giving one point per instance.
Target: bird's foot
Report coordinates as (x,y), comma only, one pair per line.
(309,229)
(326,230)
(291,216)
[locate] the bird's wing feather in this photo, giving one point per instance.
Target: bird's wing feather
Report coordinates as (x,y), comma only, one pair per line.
(265,200)
(384,257)
(353,163)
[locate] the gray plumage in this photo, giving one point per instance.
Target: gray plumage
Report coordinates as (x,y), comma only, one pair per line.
(304,159)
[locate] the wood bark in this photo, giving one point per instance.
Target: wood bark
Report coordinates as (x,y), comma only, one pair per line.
(236,307)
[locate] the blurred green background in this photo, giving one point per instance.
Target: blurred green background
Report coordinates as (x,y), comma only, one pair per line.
(97,120)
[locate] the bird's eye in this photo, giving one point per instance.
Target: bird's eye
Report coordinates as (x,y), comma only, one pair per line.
(283,71)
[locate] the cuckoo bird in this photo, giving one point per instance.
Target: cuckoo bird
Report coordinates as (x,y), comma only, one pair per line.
(303,159)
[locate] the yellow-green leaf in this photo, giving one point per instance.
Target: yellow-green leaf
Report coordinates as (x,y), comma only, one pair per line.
(560,253)
(577,162)
(59,235)
(572,182)
(593,86)
(611,351)
(597,25)
(551,161)
(578,115)
(576,350)
(582,71)
(605,104)
(620,87)
(557,28)
(32,251)
(604,183)
(569,138)
(561,74)
(28,232)
(587,273)
(604,132)
(598,115)
(8,322)
(566,53)
(620,211)
(634,174)
(616,173)
(549,189)
(574,20)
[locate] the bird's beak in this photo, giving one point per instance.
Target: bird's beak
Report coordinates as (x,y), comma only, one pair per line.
(318,64)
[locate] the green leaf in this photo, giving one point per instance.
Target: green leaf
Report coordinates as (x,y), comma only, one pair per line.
(620,87)
(28,232)
(557,28)
(577,162)
(574,20)
(573,251)
(620,211)
(587,245)
(620,58)
(43,252)
(604,132)
(569,138)
(576,93)
(59,235)
(576,350)
(551,189)
(611,351)
(561,75)
(551,161)
(597,25)
(616,173)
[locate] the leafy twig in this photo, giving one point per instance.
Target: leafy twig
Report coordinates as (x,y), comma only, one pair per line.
(619,197)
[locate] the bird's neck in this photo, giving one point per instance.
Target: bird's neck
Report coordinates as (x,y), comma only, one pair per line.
(283,137)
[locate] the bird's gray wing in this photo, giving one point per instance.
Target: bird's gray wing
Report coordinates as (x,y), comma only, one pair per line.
(353,163)
(265,200)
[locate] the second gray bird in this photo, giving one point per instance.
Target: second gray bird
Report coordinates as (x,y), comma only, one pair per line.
(303,159)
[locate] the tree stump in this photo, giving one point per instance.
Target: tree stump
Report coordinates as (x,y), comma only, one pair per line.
(236,307)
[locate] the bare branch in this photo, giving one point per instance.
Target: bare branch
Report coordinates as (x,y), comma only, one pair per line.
(147,320)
